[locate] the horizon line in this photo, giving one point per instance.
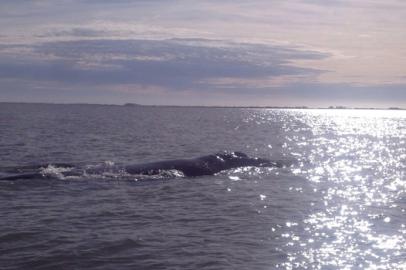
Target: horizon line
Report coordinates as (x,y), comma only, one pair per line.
(332,107)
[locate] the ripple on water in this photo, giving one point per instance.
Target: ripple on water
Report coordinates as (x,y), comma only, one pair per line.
(358,172)
(340,203)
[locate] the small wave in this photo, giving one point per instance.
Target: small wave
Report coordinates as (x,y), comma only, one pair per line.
(16,236)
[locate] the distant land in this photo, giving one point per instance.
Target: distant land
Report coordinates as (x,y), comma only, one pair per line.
(270,107)
(132,104)
(213,106)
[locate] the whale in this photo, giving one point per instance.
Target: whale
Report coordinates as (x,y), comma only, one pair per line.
(205,165)
(200,166)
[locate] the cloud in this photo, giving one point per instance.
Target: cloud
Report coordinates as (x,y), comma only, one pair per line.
(232,47)
(80,32)
(176,64)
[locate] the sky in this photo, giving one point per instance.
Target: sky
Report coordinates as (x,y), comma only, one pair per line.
(313,53)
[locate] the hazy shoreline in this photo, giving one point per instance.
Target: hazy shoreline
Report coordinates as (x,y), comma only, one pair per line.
(214,106)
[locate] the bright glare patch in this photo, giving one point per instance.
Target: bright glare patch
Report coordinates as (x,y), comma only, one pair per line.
(357,168)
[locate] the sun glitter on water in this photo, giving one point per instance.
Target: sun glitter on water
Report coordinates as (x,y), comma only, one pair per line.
(356,163)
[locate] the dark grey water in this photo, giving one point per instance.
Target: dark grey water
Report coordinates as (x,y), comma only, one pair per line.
(341,205)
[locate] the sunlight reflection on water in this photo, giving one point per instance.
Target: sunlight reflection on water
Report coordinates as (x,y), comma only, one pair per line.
(356,164)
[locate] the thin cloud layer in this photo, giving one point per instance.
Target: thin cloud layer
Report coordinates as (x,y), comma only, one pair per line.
(173,64)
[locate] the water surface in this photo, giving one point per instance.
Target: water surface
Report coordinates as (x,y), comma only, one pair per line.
(340,205)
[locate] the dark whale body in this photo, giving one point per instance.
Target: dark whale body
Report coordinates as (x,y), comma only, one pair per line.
(206,165)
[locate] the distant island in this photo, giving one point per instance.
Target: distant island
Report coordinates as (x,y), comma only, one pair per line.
(132,104)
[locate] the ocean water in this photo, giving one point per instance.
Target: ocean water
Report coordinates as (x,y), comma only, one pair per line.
(340,204)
